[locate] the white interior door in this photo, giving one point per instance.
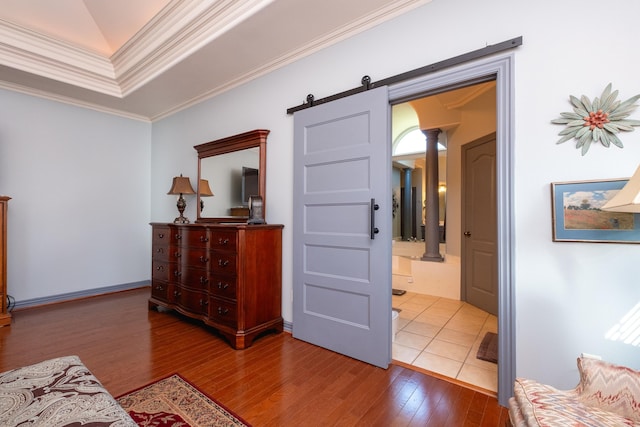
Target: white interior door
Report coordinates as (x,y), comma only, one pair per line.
(341,243)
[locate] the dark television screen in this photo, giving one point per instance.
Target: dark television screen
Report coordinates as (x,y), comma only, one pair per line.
(250,185)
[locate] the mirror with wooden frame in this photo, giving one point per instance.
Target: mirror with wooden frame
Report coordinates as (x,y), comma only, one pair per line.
(234,169)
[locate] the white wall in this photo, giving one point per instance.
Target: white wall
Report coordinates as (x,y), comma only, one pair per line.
(568,294)
(79,182)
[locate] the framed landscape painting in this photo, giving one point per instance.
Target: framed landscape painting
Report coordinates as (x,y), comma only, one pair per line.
(577,216)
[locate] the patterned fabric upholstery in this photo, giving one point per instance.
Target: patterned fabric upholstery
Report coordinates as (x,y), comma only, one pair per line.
(610,387)
(58,392)
(607,395)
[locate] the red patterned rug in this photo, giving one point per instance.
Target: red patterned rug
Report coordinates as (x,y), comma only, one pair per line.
(174,401)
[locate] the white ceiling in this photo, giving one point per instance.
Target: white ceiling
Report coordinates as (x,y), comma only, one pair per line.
(149,58)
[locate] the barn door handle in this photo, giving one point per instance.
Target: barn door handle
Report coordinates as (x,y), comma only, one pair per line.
(373,208)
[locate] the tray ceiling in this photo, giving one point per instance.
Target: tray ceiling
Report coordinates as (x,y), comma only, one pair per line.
(149,58)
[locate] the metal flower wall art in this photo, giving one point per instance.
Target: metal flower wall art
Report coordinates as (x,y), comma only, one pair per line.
(597,121)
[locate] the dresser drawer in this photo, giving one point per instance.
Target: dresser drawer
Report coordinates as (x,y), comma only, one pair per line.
(160,252)
(175,255)
(161,290)
(223,263)
(221,286)
(160,270)
(223,240)
(176,236)
(161,236)
(193,301)
(198,258)
(195,238)
(223,312)
(195,278)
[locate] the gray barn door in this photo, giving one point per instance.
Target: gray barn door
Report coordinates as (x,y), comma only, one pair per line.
(341,267)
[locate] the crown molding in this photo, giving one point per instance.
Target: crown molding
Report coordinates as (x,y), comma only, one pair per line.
(71,101)
(180,29)
(346,31)
(35,53)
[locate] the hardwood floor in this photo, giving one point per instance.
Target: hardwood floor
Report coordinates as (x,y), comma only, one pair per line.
(279,381)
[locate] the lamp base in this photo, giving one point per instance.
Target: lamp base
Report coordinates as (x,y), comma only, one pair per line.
(181,206)
(181,220)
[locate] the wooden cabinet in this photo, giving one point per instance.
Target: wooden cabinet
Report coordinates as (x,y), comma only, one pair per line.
(227,275)
(5,316)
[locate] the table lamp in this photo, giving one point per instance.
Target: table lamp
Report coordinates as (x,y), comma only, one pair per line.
(181,185)
(205,191)
(628,198)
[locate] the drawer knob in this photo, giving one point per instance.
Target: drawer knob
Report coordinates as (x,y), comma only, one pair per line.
(223,241)
(159,288)
(204,259)
(177,273)
(204,302)
(160,250)
(223,286)
(222,311)
(160,268)
(223,263)
(178,236)
(176,293)
(160,235)
(204,239)
(203,280)
(177,254)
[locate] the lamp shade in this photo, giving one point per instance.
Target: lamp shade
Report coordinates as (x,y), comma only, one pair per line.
(181,185)
(204,189)
(628,198)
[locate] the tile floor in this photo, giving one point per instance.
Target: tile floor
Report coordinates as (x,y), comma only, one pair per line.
(443,335)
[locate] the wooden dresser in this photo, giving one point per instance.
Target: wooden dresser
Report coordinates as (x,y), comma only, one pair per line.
(5,316)
(227,275)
